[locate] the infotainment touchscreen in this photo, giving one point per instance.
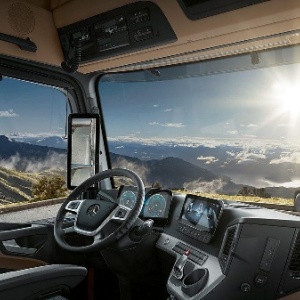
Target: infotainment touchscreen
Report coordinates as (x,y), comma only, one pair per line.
(200,217)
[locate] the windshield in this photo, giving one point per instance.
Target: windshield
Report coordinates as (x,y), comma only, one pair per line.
(228,126)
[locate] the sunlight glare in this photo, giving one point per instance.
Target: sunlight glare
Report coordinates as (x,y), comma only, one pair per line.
(288,96)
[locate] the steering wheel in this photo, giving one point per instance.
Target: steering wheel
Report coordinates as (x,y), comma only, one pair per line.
(91,216)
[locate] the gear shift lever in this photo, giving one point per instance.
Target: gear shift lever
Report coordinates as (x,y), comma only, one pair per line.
(179,265)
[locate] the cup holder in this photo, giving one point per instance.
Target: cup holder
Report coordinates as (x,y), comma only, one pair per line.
(194,281)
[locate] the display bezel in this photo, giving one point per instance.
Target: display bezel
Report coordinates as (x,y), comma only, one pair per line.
(218,204)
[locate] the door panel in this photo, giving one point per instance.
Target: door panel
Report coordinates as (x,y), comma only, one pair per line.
(24,245)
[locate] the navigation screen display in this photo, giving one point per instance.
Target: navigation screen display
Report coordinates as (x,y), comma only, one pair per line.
(201,213)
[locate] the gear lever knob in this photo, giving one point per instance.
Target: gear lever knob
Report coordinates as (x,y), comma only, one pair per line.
(179,265)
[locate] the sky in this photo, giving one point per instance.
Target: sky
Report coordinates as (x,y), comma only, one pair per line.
(257,104)
(254,113)
(31,109)
(261,104)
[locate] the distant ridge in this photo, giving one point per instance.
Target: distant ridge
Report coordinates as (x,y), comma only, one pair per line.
(174,173)
(55,141)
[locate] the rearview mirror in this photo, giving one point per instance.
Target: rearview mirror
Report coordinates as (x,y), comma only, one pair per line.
(83,148)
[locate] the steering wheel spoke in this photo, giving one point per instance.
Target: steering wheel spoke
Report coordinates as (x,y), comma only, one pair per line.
(97,237)
(120,213)
(74,206)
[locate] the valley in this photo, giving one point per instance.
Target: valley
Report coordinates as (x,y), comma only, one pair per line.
(197,168)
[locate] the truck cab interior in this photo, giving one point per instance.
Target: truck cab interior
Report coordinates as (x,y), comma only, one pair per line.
(172,110)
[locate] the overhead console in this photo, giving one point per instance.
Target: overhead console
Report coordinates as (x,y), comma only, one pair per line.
(198,9)
(132,27)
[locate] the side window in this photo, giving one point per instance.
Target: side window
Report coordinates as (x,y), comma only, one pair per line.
(32,144)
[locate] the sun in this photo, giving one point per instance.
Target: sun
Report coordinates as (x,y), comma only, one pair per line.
(291,99)
(288,97)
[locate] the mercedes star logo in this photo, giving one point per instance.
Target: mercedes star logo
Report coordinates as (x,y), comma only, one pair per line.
(93,210)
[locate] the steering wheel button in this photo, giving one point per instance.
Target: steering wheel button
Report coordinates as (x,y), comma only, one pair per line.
(121,213)
(73,205)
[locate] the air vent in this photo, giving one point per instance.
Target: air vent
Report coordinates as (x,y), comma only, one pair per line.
(294,265)
(228,248)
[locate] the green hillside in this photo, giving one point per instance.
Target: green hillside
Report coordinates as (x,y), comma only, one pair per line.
(15,186)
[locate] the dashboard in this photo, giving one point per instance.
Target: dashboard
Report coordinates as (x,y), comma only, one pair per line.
(236,250)
(210,247)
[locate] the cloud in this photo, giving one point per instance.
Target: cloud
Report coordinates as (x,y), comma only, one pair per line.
(232,154)
(175,125)
(249,125)
(168,110)
(246,156)
(120,147)
(233,132)
(53,161)
(208,159)
(201,186)
(141,170)
(41,135)
(190,141)
(287,158)
(8,114)
(155,105)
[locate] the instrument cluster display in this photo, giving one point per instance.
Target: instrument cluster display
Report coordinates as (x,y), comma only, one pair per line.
(156,203)
(127,198)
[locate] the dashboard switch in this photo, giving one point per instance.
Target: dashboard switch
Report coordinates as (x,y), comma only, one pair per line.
(260,280)
(166,241)
(245,287)
(269,253)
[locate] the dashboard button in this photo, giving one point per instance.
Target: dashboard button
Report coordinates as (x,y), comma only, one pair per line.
(166,242)
(261,280)
(245,287)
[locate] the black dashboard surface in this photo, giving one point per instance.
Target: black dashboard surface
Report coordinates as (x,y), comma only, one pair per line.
(254,253)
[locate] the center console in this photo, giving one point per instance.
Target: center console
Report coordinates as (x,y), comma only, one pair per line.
(230,250)
(194,274)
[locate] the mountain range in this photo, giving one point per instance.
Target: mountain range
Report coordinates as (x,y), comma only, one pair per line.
(161,165)
(56,142)
(175,173)
(271,166)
